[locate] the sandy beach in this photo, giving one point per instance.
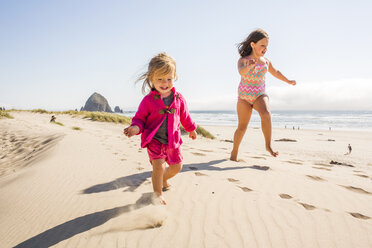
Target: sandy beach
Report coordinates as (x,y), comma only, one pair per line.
(92,187)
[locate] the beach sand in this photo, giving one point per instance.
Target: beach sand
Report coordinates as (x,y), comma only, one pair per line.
(92,188)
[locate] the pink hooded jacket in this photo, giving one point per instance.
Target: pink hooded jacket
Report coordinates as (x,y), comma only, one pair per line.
(151,113)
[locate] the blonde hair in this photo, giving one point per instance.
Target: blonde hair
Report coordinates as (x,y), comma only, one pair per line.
(160,65)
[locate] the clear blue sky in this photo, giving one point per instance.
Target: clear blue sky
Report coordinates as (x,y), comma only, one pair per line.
(55,54)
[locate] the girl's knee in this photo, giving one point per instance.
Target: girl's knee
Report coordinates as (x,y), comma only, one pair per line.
(265,115)
(242,127)
(158,165)
(177,167)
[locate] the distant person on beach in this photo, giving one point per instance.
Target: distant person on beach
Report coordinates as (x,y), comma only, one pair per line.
(53,119)
(349,149)
(252,67)
(158,119)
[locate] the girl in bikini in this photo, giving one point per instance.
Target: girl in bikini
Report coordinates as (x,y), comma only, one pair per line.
(252,67)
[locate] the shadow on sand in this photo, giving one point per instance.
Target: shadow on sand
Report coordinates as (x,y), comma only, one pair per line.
(81,224)
(132,182)
(84,223)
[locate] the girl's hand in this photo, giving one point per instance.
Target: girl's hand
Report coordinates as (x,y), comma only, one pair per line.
(247,63)
(192,135)
(251,63)
(132,130)
(292,82)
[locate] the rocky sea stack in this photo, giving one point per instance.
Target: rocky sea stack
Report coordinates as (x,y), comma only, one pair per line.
(118,110)
(97,102)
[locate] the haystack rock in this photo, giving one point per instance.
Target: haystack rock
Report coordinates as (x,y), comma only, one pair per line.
(118,110)
(97,102)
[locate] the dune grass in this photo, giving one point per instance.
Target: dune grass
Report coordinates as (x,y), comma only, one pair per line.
(5,114)
(93,116)
(200,130)
(57,123)
(107,117)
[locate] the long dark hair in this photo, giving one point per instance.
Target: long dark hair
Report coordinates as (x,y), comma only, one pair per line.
(245,48)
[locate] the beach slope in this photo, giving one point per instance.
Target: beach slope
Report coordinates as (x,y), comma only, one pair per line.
(85,184)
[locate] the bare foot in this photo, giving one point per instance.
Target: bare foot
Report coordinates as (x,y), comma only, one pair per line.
(166,186)
(270,150)
(158,199)
(234,157)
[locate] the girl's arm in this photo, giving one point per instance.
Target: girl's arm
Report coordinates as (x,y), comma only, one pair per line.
(276,73)
(139,119)
(185,117)
(244,65)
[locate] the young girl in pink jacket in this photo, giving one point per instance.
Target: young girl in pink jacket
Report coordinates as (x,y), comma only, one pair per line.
(158,121)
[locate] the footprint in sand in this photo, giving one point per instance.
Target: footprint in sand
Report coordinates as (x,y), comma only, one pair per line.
(341,163)
(198,154)
(245,189)
(321,168)
(200,174)
(293,162)
(258,167)
(358,190)
(360,175)
(323,164)
(193,168)
(360,216)
(307,206)
(316,178)
(285,196)
(206,150)
(233,180)
(285,140)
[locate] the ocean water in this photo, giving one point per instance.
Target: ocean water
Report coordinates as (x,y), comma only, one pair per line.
(319,120)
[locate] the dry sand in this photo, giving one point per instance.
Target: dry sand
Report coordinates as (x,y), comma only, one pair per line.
(92,188)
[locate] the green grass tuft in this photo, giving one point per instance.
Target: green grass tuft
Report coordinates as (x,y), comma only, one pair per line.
(105,117)
(5,114)
(201,131)
(76,128)
(57,123)
(40,111)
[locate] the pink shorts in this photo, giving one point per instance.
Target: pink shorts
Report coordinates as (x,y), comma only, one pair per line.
(157,150)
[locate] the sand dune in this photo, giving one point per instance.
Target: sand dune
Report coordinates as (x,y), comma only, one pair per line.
(92,188)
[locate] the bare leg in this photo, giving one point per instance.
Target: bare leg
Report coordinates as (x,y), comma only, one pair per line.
(244,110)
(170,172)
(261,105)
(158,168)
